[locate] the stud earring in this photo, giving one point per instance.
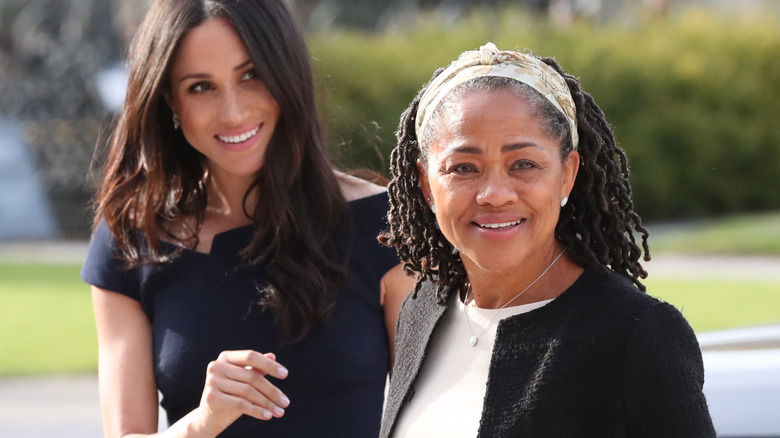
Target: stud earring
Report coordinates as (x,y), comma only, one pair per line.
(433,206)
(176,124)
(564,201)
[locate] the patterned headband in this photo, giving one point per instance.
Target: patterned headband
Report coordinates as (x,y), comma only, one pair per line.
(489,61)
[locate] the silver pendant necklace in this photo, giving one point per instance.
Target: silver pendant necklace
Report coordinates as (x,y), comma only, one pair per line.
(473,339)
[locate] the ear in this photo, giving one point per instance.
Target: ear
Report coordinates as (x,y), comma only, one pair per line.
(571,165)
(422,175)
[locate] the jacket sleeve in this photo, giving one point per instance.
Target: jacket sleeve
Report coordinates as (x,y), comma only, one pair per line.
(664,378)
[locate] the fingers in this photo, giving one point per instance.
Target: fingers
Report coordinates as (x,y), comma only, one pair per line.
(252,400)
(220,403)
(250,384)
(237,381)
(264,363)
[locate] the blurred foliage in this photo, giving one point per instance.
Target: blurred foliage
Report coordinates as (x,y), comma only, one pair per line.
(51,52)
(693,98)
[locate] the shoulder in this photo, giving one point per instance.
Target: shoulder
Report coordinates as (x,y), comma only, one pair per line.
(354,188)
(105,267)
(650,317)
(368,204)
(607,302)
(604,287)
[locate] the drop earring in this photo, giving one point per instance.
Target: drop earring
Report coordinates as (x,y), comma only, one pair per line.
(176,124)
(564,201)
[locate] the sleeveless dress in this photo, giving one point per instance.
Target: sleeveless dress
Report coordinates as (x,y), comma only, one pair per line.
(201,304)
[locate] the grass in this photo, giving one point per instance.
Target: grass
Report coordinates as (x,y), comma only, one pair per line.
(47,326)
(46,322)
(710,304)
(757,234)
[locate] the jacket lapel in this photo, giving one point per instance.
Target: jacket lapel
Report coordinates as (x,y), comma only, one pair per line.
(419,316)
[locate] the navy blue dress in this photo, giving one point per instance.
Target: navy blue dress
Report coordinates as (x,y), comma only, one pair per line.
(201,304)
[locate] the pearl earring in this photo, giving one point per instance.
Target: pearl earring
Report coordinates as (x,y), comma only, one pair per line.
(564,201)
(176,124)
(433,206)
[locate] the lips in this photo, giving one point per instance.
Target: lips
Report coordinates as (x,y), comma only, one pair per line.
(500,225)
(499,229)
(233,139)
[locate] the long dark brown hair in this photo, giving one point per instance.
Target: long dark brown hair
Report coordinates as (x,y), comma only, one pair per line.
(153,180)
(598,224)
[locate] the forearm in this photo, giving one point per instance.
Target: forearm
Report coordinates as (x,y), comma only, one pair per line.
(188,426)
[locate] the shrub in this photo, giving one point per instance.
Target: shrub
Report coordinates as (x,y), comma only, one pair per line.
(694,99)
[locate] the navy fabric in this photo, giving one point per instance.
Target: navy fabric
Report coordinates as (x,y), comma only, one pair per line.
(201,304)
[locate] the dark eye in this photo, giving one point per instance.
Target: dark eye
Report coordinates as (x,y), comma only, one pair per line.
(199,87)
(250,74)
(523,165)
(463,168)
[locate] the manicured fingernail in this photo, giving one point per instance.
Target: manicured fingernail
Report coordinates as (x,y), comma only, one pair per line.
(278,411)
(282,371)
(285,401)
(267,415)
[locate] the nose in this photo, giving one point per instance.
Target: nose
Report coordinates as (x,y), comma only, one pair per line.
(234,110)
(496,189)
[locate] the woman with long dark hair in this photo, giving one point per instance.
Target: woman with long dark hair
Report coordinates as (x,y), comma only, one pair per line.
(233,270)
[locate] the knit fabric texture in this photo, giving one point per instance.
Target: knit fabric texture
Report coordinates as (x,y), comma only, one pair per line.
(601,360)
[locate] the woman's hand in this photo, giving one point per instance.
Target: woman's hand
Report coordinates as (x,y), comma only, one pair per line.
(237,384)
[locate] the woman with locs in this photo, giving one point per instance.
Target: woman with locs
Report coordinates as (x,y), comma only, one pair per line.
(510,202)
(232,269)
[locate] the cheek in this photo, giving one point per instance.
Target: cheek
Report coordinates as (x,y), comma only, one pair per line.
(438,189)
(451,198)
(194,119)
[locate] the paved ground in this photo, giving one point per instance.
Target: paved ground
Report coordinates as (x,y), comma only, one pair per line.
(758,268)
(54,406)
(67,406)
(64,407)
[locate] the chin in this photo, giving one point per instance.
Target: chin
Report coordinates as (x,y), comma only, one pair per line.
(495,263)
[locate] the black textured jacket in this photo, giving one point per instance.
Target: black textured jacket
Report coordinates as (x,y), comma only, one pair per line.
(601,360)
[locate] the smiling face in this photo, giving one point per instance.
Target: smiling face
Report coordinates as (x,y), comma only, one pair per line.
(497,180)
(225,110)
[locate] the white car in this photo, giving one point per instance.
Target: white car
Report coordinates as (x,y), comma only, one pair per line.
(742,380)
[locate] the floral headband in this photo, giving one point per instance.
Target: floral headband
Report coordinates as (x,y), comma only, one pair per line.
(489,61)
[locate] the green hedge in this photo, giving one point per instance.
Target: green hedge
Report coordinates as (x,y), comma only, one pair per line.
(694,99)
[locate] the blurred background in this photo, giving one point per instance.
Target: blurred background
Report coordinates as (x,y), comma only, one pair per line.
(691,87)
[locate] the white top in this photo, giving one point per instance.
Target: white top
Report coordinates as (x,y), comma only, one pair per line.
(450,390)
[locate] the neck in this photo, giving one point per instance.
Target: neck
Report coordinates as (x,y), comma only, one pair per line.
(226,199)
(534,280)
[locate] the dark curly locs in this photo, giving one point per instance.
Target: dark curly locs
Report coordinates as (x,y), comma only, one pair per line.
(597,225)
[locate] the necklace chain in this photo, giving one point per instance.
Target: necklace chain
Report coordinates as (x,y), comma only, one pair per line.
(473,339)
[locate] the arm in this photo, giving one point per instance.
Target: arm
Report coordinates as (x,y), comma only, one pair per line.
(395,286)
(664,378)
(128,393)
(235,382)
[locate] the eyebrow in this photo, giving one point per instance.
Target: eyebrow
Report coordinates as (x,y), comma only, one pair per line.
(206,75)
(504,149)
